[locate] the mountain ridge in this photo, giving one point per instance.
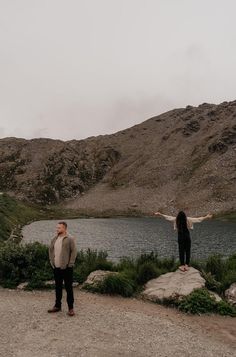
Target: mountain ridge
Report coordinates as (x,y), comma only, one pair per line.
(182,159)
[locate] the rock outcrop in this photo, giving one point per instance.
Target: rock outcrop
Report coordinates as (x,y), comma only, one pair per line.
(173,286)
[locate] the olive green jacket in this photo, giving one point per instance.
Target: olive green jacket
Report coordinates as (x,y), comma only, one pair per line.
(68,252)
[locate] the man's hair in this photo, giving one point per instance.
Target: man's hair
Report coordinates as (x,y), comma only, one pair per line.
(63,223)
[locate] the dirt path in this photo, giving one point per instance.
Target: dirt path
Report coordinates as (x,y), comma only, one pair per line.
(107,326)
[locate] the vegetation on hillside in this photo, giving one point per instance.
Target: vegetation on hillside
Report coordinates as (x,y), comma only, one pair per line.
(13,214)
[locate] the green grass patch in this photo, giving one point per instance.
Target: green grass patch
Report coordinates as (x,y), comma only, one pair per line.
(13,214)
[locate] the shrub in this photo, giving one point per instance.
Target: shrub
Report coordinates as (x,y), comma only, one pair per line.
(197,264)
(198,302)
(211,282)
(148,257)
(147,271)
(88,261)
(216,266)
(224,308)
(126,263)
(116,284)
(231,262)
(228,279)
(20,263)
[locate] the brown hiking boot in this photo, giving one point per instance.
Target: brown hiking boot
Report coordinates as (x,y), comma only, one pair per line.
(71,312)
(54,309)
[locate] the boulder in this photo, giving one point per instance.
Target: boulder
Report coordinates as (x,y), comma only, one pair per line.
(97,276)
(230,294)
(174,285)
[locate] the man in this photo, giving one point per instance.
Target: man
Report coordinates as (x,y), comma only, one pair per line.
(62,255)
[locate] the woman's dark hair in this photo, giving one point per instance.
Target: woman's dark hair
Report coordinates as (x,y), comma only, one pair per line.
(181,221)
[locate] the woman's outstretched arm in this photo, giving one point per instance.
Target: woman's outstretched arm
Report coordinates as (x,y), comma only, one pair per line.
(168,218)
(199,219)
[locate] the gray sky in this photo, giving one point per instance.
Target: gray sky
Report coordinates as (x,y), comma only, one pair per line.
(76,68)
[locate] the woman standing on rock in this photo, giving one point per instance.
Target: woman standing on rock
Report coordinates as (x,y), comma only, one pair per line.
(182,224)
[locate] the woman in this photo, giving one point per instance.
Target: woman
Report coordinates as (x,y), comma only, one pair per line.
(182,223)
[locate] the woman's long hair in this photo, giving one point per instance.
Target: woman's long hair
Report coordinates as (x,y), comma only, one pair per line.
(181,221)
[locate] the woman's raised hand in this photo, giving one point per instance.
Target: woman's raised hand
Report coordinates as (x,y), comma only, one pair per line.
(209,215)
(157,213)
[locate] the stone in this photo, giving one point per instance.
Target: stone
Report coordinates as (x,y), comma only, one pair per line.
(22,286)
(49,283)
(230,294)
(174,285)
(97,276)
(215,296)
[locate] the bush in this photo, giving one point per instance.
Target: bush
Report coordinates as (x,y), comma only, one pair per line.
(148,257)
(116,284)
(126,263)
(88,261)
(147,271)
(19,263)
(200,302)
(231,262)
(224,308)
(228,279)
(216,266)
(211,283)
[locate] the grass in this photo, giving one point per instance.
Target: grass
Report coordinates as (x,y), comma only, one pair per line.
(227,216)
(13,214)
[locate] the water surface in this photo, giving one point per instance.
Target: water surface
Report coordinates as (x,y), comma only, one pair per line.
(133,236)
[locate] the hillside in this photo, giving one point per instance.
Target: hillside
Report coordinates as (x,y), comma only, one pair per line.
(13,214)
(182,159)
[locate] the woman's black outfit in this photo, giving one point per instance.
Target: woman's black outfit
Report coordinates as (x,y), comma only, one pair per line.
(184,242)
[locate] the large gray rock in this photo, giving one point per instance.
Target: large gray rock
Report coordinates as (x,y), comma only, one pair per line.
(230,294)
(97,276)
(173,285)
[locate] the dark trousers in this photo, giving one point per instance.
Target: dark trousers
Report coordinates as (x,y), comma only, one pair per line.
(67,276)
(184,243)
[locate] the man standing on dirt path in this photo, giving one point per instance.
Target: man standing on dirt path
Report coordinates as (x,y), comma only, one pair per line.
(62,255)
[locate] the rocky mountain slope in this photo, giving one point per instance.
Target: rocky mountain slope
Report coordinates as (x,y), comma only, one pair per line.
(182,159)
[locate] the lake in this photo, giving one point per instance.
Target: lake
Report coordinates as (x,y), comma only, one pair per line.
(133,236)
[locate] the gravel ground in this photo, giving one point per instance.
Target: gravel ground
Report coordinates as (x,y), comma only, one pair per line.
(107,326)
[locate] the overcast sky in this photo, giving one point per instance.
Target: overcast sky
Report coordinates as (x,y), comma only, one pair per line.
(77,68)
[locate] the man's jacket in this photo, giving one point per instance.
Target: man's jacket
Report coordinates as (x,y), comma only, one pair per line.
(68,252)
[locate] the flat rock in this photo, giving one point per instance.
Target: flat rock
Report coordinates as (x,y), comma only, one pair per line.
(173,285)
(230,294)
(97,276)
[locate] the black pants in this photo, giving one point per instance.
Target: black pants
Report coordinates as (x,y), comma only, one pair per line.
(67,276)
(184,242)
